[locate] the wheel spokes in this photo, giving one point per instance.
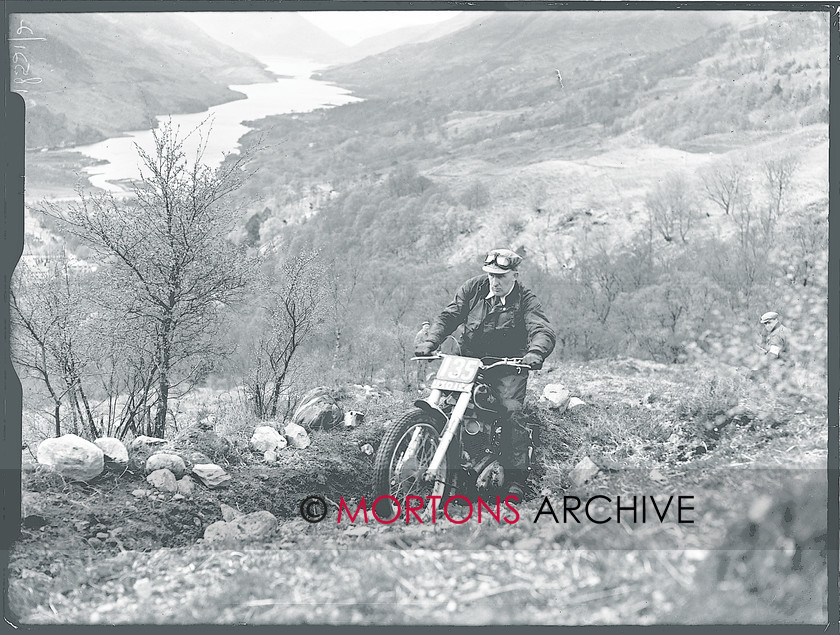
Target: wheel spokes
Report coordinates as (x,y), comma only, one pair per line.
(408,471)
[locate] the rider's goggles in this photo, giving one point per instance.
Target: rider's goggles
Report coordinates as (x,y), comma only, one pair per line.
(504,262)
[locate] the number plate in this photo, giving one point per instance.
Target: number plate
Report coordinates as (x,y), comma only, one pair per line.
(456,373)
(442,384)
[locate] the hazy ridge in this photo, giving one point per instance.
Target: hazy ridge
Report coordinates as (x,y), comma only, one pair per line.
(104,74)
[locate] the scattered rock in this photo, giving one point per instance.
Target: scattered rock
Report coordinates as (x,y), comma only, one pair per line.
(583,471)
(318,411)
(574,402)
(163,480)
(196,458)
(557,396)
(94,542)
(114,450)
(147,444)
(178,497)
(141,448)
(186,486)
(297,436)
(270,456)
(253,526)
(267,438)
(140,493)
(163,460)
(230,513)
(367,448)
(352,418)
(72,456)
(211,475)
(657,476)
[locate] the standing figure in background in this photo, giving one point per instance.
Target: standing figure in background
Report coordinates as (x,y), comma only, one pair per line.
(774,338)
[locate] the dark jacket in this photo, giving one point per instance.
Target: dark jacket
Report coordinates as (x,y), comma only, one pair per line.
(518,327)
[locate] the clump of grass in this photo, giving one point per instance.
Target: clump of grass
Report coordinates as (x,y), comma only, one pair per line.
(43,479)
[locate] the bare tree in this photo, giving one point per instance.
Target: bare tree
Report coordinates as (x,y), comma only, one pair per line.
(47,310)
(721,183)
(290,310)
(672,208)
(166,249)
(599,274)
(342,280)
(778,177)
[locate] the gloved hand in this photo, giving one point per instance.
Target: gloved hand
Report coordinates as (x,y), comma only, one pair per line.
(424,349)
(534,360)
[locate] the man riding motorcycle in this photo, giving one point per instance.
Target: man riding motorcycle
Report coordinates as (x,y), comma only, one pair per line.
(501,318)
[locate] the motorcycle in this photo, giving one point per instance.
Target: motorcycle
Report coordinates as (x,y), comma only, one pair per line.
(449,443)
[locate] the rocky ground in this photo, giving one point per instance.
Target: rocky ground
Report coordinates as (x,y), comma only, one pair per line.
(118,550)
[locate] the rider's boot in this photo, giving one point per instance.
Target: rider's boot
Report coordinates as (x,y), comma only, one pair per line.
(516,471)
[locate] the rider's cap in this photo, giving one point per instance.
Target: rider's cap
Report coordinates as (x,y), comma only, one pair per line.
(770,315)
(501,261)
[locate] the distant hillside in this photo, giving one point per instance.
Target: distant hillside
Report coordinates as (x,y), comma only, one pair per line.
(482,110)
(519,47)
(406,35)
(107,73)
(267,34)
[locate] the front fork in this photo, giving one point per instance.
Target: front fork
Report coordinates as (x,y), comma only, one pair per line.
(449,431)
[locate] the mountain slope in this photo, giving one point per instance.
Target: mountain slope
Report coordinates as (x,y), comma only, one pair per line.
(524,45)
(269,34)
(406,35)
(659,90)
(103,74)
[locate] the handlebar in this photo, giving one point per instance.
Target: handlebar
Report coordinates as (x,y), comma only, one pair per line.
(514,362)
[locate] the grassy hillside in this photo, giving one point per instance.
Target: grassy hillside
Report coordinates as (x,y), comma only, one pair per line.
(469,141)
(105,74)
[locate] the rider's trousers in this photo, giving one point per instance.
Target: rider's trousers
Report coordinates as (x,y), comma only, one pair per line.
(511,388)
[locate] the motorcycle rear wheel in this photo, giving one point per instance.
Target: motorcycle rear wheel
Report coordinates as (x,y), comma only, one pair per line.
(399,475)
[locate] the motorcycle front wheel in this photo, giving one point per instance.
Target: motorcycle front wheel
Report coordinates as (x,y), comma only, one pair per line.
(404,456)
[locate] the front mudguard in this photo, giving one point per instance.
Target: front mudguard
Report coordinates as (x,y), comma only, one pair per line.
(438,414)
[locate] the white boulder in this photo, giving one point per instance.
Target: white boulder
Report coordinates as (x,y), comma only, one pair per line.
(164,480)
(186,486)
(113,448)
(163,460)
(266,438)
(557,396)
(297,436)
(253,526)
(584,471)
(574,402)
(72,456)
